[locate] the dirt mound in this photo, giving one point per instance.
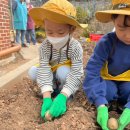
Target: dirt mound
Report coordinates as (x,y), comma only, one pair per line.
(20,110)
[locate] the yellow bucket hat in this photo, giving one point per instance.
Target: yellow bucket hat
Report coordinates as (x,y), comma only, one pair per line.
(59,11)
(118,7)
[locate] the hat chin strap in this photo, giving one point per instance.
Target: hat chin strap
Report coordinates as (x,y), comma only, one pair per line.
(120,6)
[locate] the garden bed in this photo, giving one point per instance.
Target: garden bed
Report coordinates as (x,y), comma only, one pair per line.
(20,110)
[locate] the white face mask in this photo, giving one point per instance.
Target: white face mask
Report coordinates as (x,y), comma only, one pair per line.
(58,42)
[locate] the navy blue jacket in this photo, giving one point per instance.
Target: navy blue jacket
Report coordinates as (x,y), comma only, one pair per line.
(110,49)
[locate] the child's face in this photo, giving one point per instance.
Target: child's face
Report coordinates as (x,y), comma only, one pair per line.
(122,32)
(56,30)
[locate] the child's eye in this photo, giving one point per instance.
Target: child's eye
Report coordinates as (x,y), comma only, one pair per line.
(61,33)
(122,28)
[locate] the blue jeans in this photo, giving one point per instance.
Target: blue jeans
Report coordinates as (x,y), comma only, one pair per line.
(118,91)
(18,36)
(30,36)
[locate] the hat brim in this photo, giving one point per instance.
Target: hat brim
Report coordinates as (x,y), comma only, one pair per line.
(40,14)
(105,16)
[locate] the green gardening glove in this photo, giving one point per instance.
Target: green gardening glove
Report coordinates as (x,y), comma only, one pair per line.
(58,106)
(102,117)
(47,102)
(124,119)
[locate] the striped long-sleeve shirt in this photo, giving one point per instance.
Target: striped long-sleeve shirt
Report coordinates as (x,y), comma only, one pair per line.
(45,74)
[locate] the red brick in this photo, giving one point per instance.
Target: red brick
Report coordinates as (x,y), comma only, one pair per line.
(9,41)
(4,25)
(4,9)
(7,38)
(0,24)
(3,41)
(8,27)
(2,13)
(1,45)
(2,28)
(1,20)
(6,31)
(1,5)
(8,21)
(3,34)
(7,45)
(1,38)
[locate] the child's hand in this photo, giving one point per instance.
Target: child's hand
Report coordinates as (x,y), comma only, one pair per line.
(58,106)
(102,117)
(47,102)
(124,119)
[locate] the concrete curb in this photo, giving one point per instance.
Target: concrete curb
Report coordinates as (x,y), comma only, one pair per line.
(15,74)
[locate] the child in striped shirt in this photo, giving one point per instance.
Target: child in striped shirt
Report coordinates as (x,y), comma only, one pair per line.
(61,65)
